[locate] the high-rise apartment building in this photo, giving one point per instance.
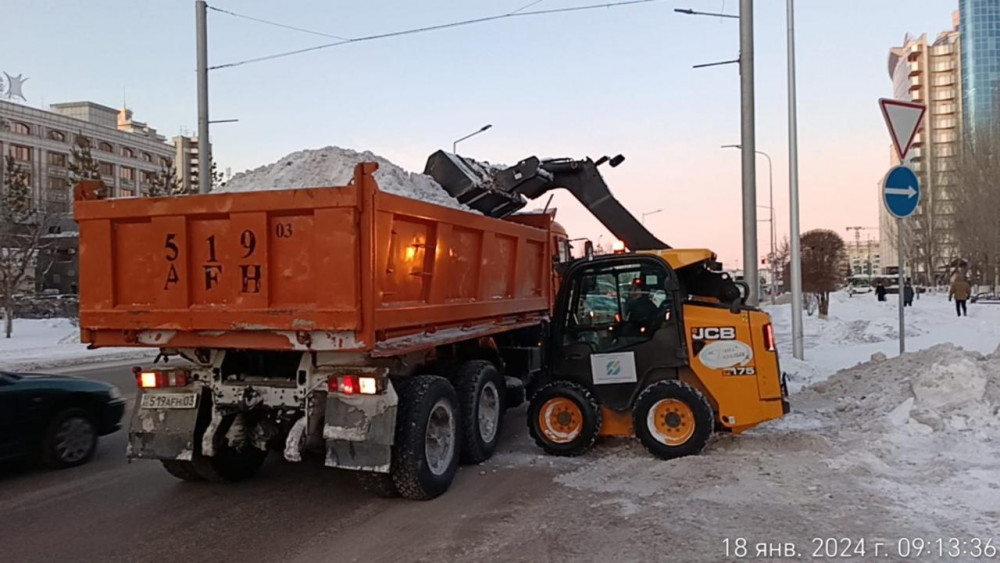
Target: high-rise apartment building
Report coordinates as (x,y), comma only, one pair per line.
(928,73)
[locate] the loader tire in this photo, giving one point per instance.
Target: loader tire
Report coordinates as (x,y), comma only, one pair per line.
(378,484)
(673,419)
(426,450)
(182,469)
(564,418)
(481,392)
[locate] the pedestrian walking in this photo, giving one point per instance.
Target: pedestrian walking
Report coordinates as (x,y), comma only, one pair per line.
(960,290)
(908,295)
(880,290)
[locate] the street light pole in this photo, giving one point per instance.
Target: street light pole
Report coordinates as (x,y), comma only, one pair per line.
(748,141)
(798,349)
(454,145)
(204,152)
(773,232)
(748,136)
(649,213)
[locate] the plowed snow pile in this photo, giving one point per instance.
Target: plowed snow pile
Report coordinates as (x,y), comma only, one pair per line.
(334,166)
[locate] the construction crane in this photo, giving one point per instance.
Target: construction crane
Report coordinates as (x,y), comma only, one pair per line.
(857,245)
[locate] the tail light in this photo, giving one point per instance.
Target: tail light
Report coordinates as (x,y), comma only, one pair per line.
(769,337)
(160,379)
(353,384)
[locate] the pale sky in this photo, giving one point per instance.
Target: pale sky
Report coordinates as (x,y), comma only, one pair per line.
(579,84)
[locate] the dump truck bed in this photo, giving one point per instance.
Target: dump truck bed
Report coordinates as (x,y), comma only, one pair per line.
(345,268)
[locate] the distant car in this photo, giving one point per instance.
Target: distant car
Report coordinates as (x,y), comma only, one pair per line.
(986,298)
(58,418)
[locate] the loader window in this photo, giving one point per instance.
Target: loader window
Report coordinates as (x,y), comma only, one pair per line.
(617,307)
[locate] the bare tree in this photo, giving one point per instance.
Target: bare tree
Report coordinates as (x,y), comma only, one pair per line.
(976,201)
(822,256)
(22,225)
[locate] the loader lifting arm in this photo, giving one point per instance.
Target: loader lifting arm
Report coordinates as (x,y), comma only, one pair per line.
(502,192)
(499,193)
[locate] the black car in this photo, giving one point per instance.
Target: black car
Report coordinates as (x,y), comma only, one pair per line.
(56,417)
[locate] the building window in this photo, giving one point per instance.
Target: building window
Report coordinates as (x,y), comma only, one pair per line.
(105,146)
(106,168)
(146,157)
(56,183)
(20,153)
(125,192)
(83,140)
(126,174)
(57,135)
(20,128)
(57,159)
(128,153)
(165,162)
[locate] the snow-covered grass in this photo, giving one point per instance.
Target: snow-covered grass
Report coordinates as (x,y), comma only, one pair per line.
(45,343)
(860,326)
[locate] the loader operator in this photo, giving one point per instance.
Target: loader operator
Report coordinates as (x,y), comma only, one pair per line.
(640,308)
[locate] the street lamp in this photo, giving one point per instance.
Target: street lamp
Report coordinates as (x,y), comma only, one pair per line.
(747,139)
(770,183)
(649,213)
(474,133)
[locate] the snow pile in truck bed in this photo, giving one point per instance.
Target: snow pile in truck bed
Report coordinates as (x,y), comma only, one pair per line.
(334,166)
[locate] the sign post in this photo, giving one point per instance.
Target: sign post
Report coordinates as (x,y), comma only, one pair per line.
(900,188)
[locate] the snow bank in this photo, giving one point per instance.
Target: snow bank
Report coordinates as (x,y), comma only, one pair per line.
(860,326)
(37,344)
(940,389)
(334,166)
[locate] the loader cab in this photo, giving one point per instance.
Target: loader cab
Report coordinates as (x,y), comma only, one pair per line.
(617,326)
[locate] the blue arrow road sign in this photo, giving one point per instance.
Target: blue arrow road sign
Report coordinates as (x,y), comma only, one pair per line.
(901,191)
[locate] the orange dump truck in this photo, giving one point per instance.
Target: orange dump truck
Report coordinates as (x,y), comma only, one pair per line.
(295,307)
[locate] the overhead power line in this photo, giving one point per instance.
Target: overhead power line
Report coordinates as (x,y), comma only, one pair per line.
(276,24)
(513,14)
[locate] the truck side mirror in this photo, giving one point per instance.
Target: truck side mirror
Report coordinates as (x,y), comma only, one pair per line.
(588,250)
(615,161)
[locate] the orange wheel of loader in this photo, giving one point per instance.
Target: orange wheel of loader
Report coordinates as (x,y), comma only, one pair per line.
(672,419)
(564,418)
(671,422)
(560,420)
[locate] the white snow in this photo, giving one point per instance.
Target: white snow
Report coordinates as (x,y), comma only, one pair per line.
(334,166)
(37,344)
(861,326)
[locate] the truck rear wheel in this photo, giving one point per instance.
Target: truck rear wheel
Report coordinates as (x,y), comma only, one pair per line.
(673,419)
(481,391)
(425,455)
(182,469)
(564,418)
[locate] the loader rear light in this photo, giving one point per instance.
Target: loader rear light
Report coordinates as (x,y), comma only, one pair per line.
(353,384)
(160,379)
(769,337)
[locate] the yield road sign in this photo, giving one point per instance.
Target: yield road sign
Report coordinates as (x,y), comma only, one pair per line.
(903,119)
(901,191)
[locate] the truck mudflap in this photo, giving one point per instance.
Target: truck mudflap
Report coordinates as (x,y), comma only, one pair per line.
(162,433)
(359,430)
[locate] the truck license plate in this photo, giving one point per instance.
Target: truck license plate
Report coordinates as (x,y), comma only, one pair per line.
(169,401)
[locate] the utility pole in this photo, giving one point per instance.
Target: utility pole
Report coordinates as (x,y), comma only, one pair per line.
(798,347)
(204,152)
(749,152)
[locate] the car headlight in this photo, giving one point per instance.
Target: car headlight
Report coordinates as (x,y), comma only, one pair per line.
(114,393)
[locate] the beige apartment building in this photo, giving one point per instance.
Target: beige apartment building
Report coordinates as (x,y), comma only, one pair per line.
(928,73)
(129,153)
